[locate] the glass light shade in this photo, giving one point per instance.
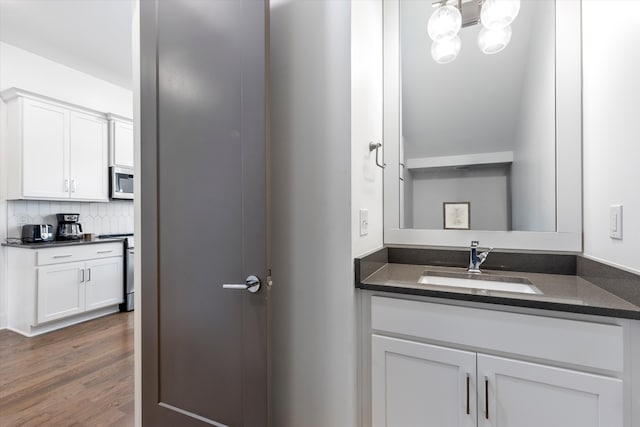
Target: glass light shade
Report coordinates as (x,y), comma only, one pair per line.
(446,51)
(494,40)
(444,23)
(499,13)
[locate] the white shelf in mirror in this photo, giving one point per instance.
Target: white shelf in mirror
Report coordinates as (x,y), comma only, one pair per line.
(500,157)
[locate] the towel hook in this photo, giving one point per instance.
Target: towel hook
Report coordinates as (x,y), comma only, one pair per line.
(376,146)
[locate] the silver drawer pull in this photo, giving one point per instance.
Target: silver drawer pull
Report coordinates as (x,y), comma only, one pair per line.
(62,256)
(105,252)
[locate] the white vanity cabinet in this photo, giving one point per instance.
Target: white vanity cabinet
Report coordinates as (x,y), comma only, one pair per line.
(54,287)
(417,384)
(474,367)
(55,151)
(120,141)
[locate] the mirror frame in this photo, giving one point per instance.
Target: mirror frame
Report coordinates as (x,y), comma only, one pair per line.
(568,234)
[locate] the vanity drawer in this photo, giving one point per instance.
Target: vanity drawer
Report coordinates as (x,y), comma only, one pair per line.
(571,342)
(78,253)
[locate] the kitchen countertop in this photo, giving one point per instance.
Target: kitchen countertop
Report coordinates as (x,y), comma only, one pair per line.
(560,292)
(61,243)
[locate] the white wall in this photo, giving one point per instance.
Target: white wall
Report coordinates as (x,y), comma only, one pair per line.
(313,304)
(533,173)
(611,139)
(25,70)
(366,122)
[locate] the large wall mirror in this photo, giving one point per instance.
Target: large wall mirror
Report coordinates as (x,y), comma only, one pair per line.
(486,146)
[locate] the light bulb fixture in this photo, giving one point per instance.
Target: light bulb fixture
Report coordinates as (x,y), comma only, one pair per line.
(499,13)
(494,40)
(444,23)
(450,16)
(446,51)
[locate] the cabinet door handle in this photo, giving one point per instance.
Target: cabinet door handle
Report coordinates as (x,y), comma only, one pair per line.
(88,274)
(468,380)
(82,275)
(73,185)
(486,397)
(62,256)
(66,185)
(104,252)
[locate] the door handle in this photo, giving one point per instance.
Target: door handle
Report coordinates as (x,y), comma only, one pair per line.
(82,274)
(252,284)
(66,185)
(73,185)
(88,274)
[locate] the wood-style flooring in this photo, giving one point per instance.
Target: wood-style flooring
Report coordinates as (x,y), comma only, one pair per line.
(78,376)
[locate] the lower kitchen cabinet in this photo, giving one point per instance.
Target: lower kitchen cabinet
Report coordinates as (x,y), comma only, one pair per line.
(103,283)
(471,367)
(55,287)
(60,291)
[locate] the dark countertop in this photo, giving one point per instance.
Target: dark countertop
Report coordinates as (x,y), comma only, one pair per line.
(576,293)
(60,243)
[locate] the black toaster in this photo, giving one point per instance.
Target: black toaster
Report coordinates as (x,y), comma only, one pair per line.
(34,233)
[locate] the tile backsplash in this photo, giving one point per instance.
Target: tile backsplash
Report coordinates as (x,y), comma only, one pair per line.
(113,217)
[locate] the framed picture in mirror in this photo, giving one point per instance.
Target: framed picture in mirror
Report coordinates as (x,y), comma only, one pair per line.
(457,215)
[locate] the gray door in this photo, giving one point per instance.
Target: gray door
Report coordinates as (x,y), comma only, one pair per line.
(204,205)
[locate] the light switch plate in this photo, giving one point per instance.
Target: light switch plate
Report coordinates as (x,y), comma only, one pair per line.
(364,222)
(615,222)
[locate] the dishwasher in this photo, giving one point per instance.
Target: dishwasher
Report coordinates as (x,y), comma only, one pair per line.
(128,304)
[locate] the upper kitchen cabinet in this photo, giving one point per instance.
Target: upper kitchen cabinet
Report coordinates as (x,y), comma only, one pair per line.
(55,151)
(120,141)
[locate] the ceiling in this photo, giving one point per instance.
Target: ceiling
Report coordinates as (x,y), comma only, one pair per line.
(92,36)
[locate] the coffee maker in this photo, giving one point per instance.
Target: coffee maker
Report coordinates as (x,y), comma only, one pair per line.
(68,227)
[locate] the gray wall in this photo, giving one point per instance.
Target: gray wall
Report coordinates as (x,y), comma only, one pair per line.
(313,308)
(486,188)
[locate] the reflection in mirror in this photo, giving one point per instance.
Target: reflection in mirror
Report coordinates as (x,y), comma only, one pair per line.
(482,128)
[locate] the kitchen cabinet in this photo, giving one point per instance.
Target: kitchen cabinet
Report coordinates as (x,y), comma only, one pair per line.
(104,282)
(60,291)
(54,287)
(120,141)
(436,364)
(55,151)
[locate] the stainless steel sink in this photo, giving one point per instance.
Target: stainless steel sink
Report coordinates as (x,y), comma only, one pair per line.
(483,281)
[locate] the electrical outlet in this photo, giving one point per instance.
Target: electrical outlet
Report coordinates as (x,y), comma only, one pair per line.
(364,222)
(615,222)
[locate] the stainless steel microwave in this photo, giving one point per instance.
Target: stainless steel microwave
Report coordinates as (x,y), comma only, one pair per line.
(121,182)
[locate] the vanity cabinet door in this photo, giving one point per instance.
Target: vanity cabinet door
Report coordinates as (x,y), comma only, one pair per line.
(522,394)
(60,291)
(416,384)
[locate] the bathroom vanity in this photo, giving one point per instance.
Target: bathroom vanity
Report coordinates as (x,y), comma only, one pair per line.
(441,346)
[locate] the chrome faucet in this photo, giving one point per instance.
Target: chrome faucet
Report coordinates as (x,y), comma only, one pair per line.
(475,259)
